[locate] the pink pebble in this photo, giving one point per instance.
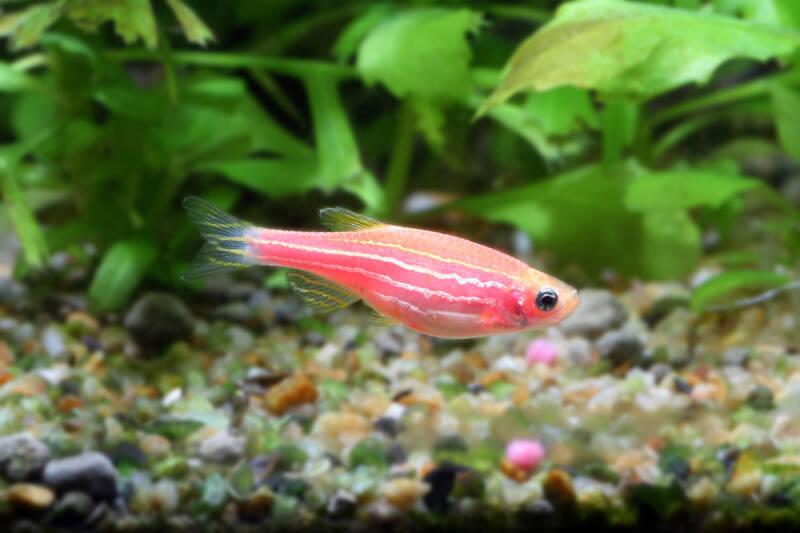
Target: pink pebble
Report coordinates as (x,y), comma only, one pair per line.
(542,351)
(525,454)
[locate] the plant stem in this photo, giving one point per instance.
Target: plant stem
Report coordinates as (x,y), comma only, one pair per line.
(400,161)
(750,89)
(519,12)
(290,67)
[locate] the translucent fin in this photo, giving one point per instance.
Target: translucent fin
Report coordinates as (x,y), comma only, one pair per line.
(319,293)
(379,319)
(341,219)
(226,247)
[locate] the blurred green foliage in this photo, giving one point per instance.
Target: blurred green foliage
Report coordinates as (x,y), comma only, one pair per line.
(613,140)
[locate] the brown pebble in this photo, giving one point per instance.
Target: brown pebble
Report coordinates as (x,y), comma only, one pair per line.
(491,377)
(29,496)
(68,403)
(82,323)
(404,493)
(258,505)
(5,376)
(558,488)
(293,391)
(513,472)
(155,445)
(6,355)
(346,428)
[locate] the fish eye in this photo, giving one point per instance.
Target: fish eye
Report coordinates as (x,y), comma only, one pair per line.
(546,299)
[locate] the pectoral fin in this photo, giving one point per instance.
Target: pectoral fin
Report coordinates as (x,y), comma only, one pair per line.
(321,294)
(379,319)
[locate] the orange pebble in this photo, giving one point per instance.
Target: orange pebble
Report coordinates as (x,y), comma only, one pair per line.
(512,472)
(68,403)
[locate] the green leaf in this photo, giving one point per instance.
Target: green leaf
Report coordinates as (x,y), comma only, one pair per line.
(581,217)
(13,80)
(786,106)
(120,271)
(28,232)
(681,189)
(337,151)
(728,285)
(25,27)
(272,177)
(193,26)
(348,41)
(133,19)
(633,49)
(563,110)
(421,52)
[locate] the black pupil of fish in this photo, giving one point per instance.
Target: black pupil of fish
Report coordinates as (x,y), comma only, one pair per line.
(546,300)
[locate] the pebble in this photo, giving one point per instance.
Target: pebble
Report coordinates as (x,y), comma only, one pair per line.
(27,496)
(441,480)
(154,445)
(158,319)
(295,390)
(222,447)
(404,493)
(389,342)
(620,346)
(558,488)
(22,456)
(90,472)
(541,351)
(53,342)
(736,356)
(761,397)
(82,323)
(344,428)
(73,507)
(525,454)
(598,312)
(341,504)
(660,371)
(387,425)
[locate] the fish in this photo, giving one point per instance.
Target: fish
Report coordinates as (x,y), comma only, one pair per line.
(434,283)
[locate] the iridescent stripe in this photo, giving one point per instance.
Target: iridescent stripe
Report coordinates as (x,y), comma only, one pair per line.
(413,268)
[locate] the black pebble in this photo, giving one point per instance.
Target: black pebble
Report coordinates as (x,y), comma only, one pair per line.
(387,425)
(396,454)
(681,385)
(442,479)
(128,452)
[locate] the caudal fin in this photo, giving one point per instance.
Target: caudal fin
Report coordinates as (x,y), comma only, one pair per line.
(226,248)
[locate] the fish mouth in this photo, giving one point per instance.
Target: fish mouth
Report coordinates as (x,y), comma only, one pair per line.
(572,303)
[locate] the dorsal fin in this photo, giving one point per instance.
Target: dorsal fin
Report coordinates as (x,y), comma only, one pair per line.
(321,294)
(341,219)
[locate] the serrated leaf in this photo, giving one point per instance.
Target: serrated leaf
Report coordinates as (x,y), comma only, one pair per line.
(133,19)
(681,189)
(633,49)
(193,26)
(728,285)
(421,52)
(122,268)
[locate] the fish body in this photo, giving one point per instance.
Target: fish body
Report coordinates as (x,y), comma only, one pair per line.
(431,282)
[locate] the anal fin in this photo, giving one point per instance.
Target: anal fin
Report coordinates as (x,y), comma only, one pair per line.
(323,295)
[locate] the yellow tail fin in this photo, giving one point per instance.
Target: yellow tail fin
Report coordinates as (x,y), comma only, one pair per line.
(226,248)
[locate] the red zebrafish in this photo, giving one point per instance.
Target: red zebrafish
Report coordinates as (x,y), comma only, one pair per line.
(431,282)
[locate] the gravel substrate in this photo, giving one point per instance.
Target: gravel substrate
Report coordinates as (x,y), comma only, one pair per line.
(244,411)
